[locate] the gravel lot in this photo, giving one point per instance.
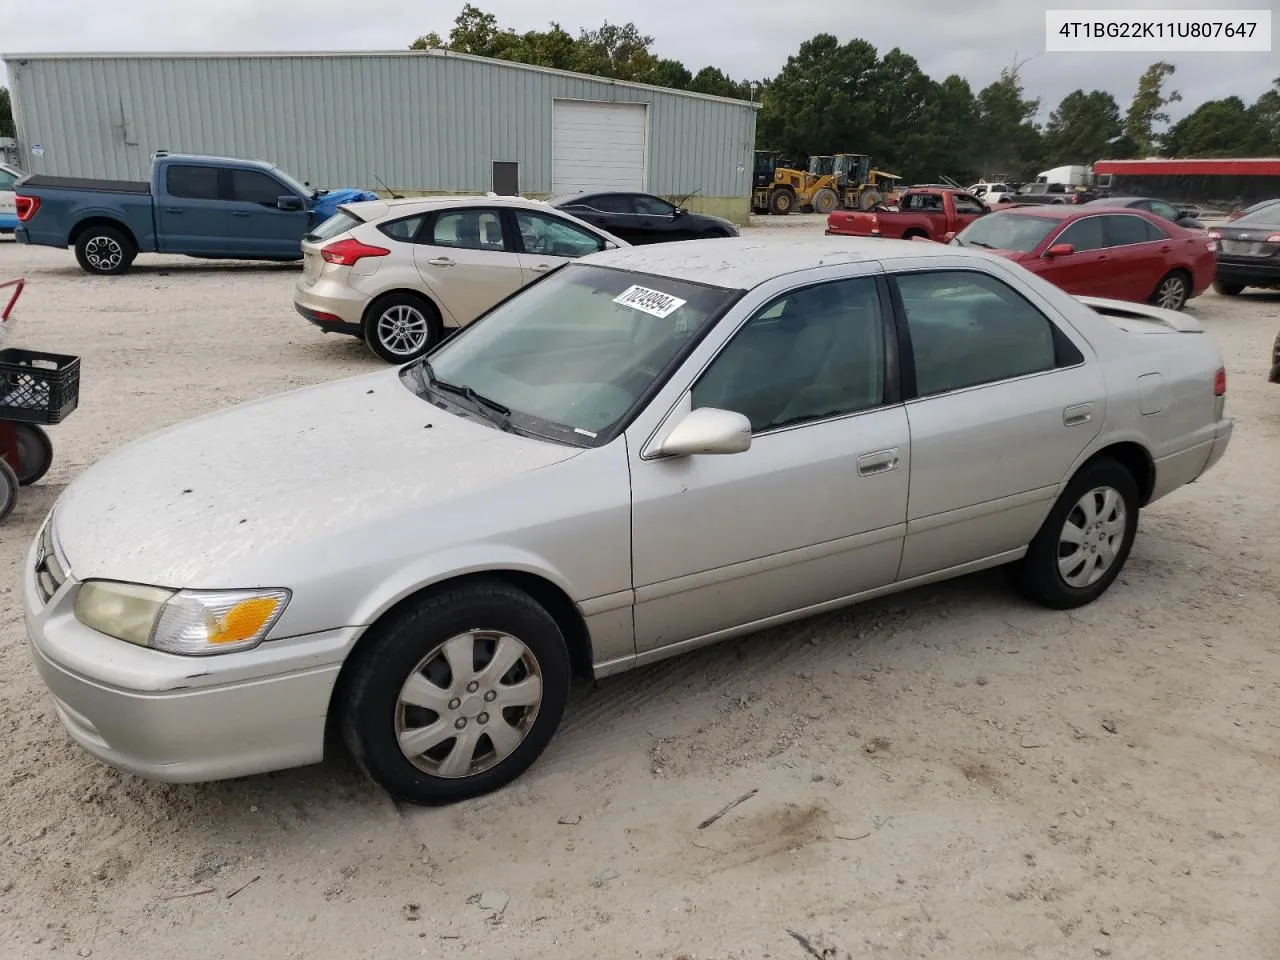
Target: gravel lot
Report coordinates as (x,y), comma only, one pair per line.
(947,773)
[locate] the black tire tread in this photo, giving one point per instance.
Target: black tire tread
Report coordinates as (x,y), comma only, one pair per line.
(8,489)
(29,474)
(122,238)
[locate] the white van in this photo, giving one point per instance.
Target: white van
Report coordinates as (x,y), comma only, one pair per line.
(8,208)
(992,193)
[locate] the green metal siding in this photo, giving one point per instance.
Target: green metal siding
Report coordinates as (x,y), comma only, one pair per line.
(420,121)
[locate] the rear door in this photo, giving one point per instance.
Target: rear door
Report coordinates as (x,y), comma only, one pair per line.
(1138,262)
(545,241)
(656,218)
(1088,270)
(191,216)
(468,260)
(8,206)
(257,227)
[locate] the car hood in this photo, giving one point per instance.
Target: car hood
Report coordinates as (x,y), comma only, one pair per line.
(186,506)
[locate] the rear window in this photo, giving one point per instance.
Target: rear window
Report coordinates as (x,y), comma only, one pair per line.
(195,183)
(340,222)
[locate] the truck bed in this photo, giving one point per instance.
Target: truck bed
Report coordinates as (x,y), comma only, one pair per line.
(84,183)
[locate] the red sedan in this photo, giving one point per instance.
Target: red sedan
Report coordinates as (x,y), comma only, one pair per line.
(1121,253)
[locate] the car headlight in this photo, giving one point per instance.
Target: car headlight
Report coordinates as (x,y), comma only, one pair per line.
(189,622)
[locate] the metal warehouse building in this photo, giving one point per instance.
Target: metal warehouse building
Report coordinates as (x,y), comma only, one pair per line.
(421,121)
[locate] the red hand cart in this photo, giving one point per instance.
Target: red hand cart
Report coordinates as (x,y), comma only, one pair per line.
(35,388)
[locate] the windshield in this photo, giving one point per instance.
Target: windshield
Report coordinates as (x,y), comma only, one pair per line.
(572,355)
(1006,231)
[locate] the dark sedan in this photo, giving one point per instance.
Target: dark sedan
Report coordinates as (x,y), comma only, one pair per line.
(1249,252)
(642,217)
(1167,211)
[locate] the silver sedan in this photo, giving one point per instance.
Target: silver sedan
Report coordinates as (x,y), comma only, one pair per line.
(647,450)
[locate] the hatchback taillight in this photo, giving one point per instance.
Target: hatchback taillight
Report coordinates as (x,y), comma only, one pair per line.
(346,253)
(1220,382)
(27,207)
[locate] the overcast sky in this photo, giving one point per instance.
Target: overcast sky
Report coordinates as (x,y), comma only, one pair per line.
(747,39)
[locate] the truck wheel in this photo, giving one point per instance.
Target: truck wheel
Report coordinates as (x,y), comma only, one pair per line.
(868,200)
(104,250)
(781,202)
(824,201)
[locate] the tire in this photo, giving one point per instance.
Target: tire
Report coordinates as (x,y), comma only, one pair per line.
(1172,292)
(401,327)
(868,200)
(104,250)
(410,649)
(781,202)
(35,453)
(1228,289)
(824,201)
(8,489)
(1040,577)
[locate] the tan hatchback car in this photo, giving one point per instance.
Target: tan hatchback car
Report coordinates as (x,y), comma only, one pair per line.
(401,273)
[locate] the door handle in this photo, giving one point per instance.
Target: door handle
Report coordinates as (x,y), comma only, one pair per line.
(239,213)
(440,262)
(1166,248)
(173,210)
(882,461)
(1077,414)
(541,268)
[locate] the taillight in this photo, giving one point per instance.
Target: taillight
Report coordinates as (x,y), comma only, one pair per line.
(875,225)
(1274,238)
(27,207)
(346,253)
(1212,246)
(1220,382)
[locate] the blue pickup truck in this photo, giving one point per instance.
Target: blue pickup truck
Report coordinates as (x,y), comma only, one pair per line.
(216,208)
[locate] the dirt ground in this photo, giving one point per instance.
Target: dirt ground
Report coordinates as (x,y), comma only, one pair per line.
(946,773)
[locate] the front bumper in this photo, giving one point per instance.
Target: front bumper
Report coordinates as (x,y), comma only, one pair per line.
(182,719)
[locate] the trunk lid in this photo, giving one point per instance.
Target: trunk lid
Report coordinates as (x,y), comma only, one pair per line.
(1141,317)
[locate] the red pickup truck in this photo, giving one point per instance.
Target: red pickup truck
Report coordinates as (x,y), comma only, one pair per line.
(926,212)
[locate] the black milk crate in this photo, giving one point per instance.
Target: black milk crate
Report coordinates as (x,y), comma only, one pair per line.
(38,387)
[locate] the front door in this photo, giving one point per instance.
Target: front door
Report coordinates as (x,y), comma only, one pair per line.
(191,216)
(1088,271)
(546,241)
(1005,402)
(468,261)
(814,511)
(257,226)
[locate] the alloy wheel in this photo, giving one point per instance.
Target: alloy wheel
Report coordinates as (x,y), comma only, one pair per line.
(403,329)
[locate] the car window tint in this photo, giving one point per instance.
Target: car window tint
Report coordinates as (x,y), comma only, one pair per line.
(252,186)
(814,353)
(1122,230)
(967,204)
(1154,232)
(545,234)
(1162,209)
(607,203)
(7,180)
(923,202)
(476,229)
(968,328)
(404,229)
(1086,234)
(652,206)
(194,183)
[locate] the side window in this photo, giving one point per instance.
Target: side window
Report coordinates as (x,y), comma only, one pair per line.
(7,180)
(1162,209)
(652,206)
(405,230)
(1123,230)
(968,328)
(541,233)
(967,204)
(608,203)
(473,229)
(1154,233)
(193,183)
(922,203)
(253,186)
(814,353)
(1086,234)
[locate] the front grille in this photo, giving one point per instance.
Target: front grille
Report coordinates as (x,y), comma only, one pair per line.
(50,573)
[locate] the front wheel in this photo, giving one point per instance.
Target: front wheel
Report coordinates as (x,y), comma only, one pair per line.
(458,695)
(1172,291)
(781,202)
(104,250)
(824,201)
(1084,542)
(401,327)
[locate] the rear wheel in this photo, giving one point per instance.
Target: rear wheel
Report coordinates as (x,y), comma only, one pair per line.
(8,489)
(35,453)
(401,327)
(104,250)
(869,200)
(1228,289)
(824,201)
(1172,291)
(1084,542)
(781,202)
(458,695)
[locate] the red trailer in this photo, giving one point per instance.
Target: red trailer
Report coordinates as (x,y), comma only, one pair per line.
(1222,184)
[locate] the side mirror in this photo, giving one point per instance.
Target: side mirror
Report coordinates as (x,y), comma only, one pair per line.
(708,430)
(610,245)
(1060,250)
(680,212)
(948,236)
(289,202)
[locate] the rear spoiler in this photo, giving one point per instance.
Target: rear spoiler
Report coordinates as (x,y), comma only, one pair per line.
(1125,310)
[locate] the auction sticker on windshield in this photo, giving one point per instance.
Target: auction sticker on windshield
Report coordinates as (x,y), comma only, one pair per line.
(653,302)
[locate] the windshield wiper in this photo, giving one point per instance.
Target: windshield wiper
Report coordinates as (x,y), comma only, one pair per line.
(500,415)
(977,243)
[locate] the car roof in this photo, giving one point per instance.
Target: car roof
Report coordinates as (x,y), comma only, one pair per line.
(741,263)
(1057,211)
(1118,201)
(403,205)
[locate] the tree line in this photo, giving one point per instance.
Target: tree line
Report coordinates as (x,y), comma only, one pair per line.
(833,97)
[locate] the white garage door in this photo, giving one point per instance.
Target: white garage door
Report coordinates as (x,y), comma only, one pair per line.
(598,146)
